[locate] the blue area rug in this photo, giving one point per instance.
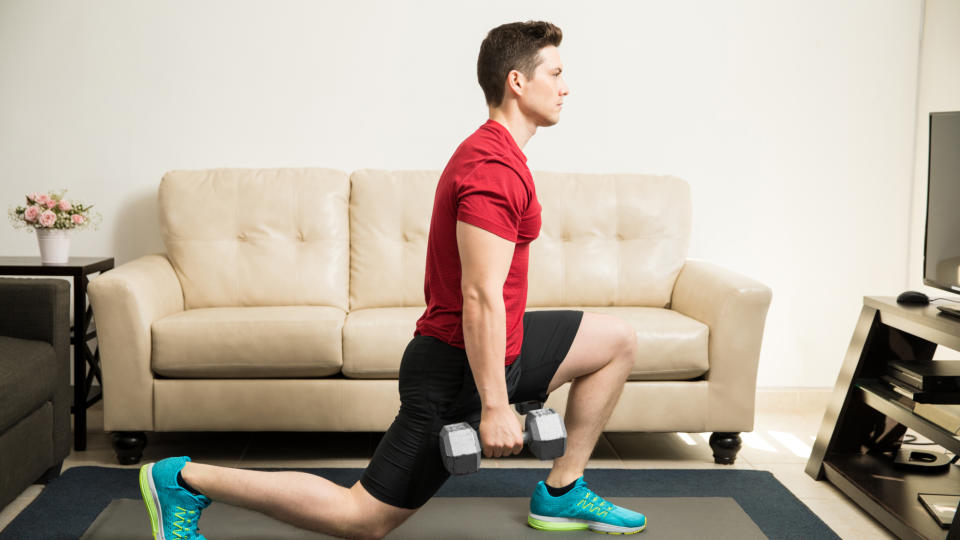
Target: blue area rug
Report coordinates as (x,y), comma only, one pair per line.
(68,505)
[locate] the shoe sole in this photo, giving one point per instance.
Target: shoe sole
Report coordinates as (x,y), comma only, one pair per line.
(149,492)
(546,523)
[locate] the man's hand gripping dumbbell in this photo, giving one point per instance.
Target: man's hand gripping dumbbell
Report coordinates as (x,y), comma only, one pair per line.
(545,434)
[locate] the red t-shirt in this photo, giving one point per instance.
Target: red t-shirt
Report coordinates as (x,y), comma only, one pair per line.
(487,184)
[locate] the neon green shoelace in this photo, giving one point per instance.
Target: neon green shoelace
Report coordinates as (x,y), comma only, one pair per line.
(604,505)
(184,532)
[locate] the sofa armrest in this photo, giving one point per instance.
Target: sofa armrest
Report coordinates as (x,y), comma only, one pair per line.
(36,309)
(126,301)
(734,307)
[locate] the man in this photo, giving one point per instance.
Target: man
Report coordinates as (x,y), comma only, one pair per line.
(474,350)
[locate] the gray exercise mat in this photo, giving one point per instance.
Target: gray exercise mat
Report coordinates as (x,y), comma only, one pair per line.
(502,518)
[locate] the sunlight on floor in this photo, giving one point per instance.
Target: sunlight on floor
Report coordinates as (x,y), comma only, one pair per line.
(792,443)
(685,437)
(757,441)
(754,440)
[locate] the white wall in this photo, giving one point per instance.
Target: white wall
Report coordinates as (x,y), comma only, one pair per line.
(938,91)
(792,120)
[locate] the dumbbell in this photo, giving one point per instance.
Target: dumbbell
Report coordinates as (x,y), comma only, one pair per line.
(545,435)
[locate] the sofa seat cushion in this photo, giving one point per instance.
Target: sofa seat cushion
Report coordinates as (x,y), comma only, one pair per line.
(249,342)
(28,372)
(672,346)
(374,340)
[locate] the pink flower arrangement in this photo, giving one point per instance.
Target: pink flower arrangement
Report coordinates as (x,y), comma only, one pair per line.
(52,211)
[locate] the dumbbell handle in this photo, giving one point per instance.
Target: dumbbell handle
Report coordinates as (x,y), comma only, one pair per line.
(527,406)
(461,448)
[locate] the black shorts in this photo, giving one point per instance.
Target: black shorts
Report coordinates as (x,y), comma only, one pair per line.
(437,388)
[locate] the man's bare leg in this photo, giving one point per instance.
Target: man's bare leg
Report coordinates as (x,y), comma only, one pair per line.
(598,362)
(304,500)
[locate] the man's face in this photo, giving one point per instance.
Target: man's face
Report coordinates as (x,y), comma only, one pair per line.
(544,93)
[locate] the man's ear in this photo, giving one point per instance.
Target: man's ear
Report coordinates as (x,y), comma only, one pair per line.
(516,81)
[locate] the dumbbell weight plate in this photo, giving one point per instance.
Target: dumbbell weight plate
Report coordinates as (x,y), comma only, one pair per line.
(460,448)
(547,433)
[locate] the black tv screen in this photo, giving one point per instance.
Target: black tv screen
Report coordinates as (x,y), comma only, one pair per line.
(941,248)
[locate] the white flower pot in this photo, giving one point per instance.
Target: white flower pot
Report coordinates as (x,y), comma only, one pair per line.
(54,245)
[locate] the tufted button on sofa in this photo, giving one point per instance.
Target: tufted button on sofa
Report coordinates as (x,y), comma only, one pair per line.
(286,297)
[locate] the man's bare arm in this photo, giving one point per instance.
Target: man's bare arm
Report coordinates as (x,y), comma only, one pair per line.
(485,262)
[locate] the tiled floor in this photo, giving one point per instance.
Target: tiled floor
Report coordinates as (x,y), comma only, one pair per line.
(782,439)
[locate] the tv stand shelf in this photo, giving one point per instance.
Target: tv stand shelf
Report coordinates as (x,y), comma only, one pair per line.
(889,490)
(860,402)
(885,401)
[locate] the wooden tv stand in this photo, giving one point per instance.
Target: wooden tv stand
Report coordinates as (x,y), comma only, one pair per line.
(885,331)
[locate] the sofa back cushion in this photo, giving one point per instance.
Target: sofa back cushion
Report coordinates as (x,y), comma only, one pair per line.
(606,239)
(609,239)
(389,223)
(257,237)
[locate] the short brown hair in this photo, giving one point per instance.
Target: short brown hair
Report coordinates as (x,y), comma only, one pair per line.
(512,46)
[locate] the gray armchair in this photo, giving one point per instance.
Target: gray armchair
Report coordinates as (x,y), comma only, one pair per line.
(35,394)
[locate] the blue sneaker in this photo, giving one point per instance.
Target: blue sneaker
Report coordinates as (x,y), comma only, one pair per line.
(580,509)
(174,511)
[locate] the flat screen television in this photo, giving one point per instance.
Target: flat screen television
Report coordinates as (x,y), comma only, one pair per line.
(941,247)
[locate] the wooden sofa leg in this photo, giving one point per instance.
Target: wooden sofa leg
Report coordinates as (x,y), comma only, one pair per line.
(129,446)
(725,447)
(50,474)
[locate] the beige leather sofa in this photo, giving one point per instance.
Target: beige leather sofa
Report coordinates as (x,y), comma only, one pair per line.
(286,297)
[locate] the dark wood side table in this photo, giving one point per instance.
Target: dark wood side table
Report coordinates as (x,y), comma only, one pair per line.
(78,268)
(860,407)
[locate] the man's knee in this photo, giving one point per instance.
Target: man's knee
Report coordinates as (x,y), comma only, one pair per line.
(370,527)
(383,525)
(373,534)
(365,534)
(627,354)
(628,336)
(371,518)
